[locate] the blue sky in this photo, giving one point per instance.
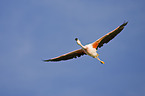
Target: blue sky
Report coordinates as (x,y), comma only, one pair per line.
(32,30)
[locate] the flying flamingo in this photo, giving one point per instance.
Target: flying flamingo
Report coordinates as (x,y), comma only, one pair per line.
(90,49)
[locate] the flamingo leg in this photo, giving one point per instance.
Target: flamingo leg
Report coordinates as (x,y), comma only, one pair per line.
(102,62)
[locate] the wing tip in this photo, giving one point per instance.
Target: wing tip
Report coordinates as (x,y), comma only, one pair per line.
(125,23)
(51,60)
(46,60)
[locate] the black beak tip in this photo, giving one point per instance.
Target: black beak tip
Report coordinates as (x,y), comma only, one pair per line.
(76,39)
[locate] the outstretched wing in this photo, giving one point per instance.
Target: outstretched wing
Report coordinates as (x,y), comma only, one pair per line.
(109,36)
(70,55)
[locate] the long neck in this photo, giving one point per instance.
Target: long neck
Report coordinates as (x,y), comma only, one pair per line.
(82,46)
(79,43)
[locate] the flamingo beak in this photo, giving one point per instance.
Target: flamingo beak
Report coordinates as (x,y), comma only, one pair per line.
(76,39)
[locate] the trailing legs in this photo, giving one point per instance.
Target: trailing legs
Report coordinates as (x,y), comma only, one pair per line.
(102,62)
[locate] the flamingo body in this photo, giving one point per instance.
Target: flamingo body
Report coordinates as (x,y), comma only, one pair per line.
(89,50)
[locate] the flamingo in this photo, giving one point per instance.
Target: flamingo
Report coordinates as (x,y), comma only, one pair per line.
(90,49)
